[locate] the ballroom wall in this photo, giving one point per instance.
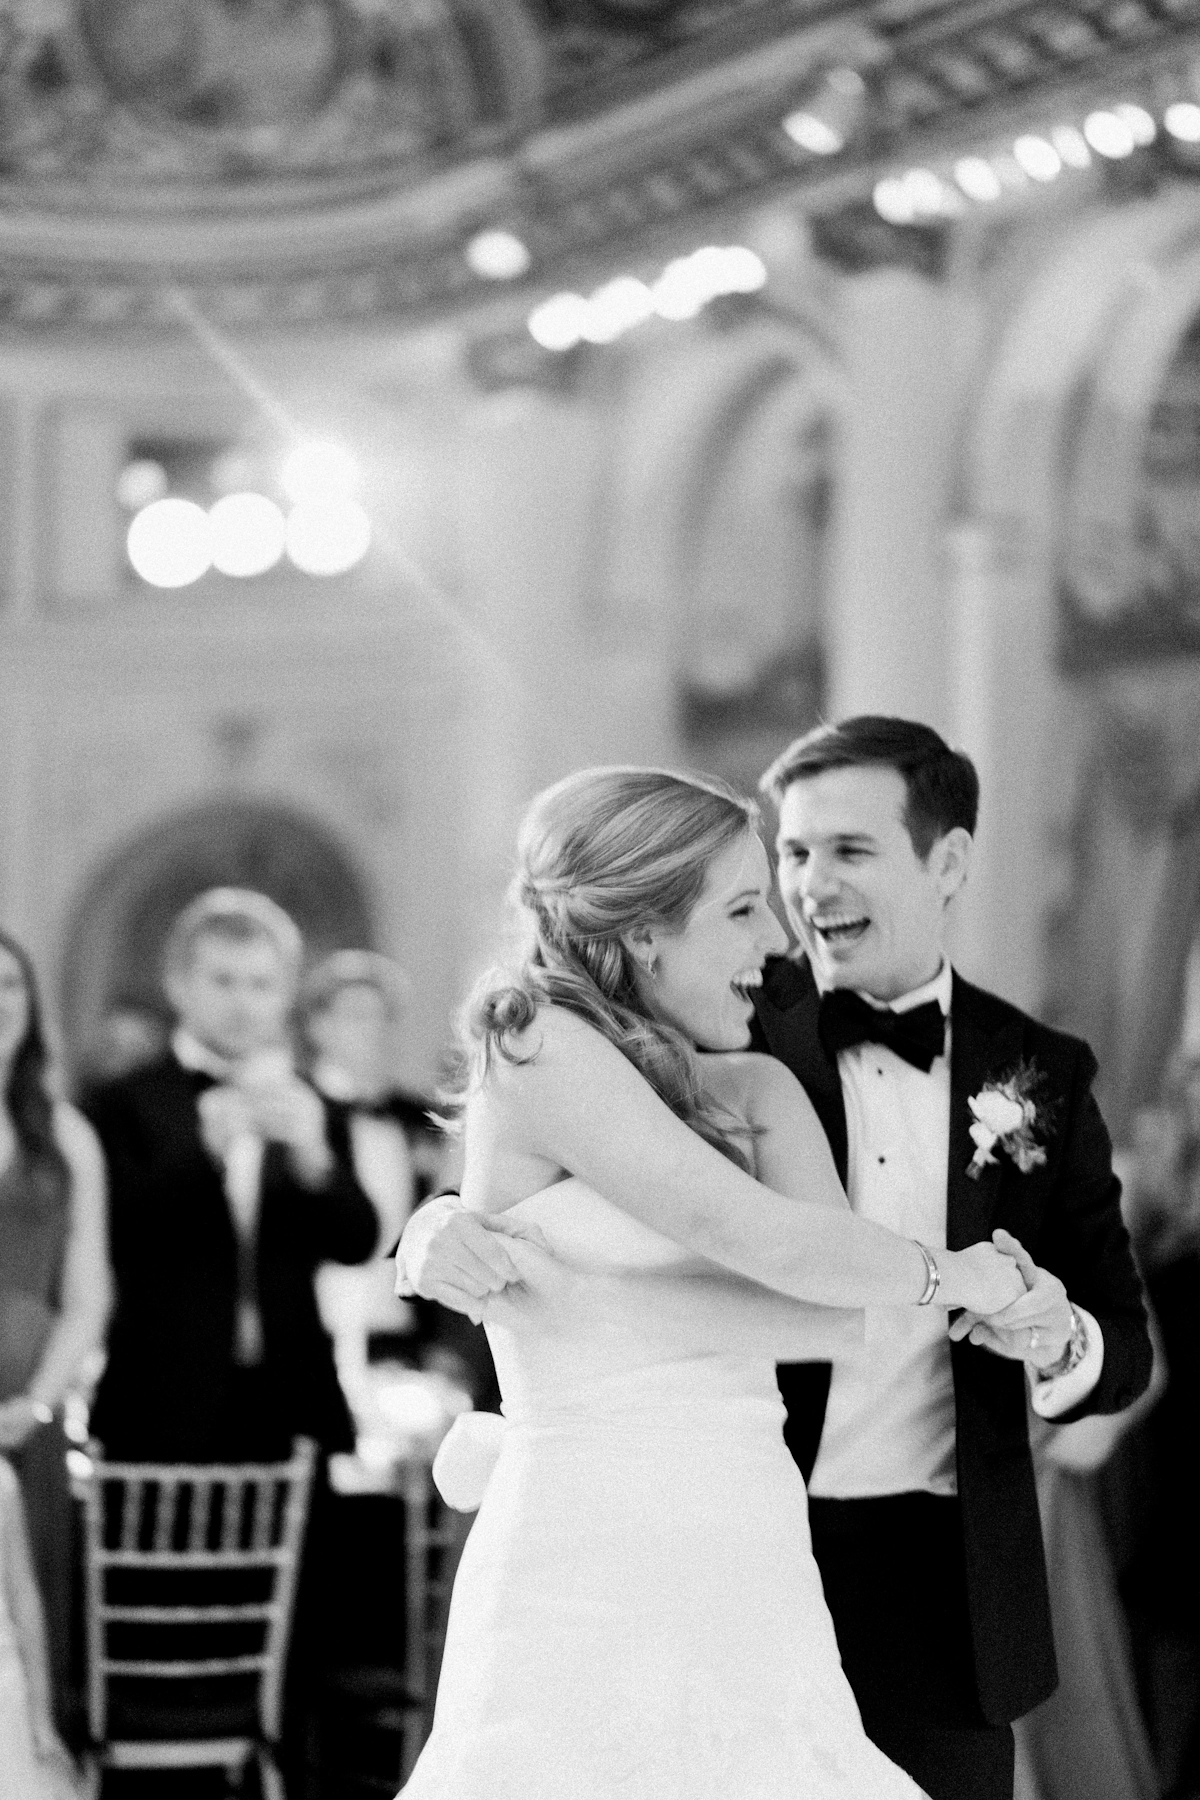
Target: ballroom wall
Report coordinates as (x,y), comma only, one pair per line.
(866,489)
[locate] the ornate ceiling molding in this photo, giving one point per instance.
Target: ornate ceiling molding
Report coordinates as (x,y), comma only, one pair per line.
(291,160)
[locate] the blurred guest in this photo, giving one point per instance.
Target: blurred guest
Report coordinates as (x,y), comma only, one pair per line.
(1162,1581)
(55,1289)
(127,1037)
(228,1187)
(350,1009)
(33,1762)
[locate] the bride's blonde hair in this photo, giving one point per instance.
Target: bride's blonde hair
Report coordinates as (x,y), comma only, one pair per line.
(599,854)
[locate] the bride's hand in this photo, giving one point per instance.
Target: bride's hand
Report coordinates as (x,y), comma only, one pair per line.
(545,1293)
(981,1278)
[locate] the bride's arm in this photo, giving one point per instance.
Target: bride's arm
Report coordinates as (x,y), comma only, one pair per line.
(789,1149)
(579,1104)
(697,1314)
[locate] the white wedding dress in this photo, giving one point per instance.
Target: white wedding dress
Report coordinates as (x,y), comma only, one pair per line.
(637,1613)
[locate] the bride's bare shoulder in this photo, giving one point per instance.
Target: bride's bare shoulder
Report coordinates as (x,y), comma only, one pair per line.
(555,1038)
(749,1082)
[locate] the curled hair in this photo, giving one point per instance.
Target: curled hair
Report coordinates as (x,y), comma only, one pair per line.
(598,855)
(26,1094)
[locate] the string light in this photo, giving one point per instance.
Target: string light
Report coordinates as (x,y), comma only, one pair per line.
(682,290)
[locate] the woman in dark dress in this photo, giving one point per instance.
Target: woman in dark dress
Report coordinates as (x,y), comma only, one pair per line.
(54,1291)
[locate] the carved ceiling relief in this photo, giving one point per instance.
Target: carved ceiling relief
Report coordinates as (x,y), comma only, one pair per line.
(163,89)
(171,88)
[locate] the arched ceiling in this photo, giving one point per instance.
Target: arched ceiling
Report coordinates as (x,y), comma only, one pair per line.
(275,160)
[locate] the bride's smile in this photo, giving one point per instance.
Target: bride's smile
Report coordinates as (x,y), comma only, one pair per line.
(702,978)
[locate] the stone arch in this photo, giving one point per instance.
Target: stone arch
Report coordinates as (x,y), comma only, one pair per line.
(1052,456)
(720,527)
(116,931)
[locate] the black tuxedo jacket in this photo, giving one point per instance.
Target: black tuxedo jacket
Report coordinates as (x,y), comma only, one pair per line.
(165,1390)
(1067,1215)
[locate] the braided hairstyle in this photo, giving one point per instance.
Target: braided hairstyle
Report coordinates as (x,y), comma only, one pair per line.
(599,854)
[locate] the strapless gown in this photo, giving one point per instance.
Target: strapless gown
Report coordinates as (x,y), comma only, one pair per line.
(637,1613)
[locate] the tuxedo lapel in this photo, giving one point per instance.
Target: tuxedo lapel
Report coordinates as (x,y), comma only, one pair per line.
(984,1046)
(787,1007)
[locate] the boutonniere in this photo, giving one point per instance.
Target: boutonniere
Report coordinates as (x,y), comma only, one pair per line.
(1006,1116)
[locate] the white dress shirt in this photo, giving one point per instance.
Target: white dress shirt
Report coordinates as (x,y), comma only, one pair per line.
(890,1421)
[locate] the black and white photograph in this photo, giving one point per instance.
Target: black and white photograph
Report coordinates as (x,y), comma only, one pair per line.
(599,899)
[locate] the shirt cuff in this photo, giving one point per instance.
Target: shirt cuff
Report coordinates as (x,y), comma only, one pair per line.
(1061,1393)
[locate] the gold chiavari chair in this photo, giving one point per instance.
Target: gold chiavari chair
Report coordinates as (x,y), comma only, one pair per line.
(190,1582)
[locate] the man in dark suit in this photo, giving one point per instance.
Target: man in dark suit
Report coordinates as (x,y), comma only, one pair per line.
(226,1192)
(951,1115)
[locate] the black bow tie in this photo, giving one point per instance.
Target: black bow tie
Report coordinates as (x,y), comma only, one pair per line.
(845,1019)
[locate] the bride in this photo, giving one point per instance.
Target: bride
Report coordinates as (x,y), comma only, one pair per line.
(637,1613)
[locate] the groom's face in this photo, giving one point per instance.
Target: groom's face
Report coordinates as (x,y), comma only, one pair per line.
(869,911)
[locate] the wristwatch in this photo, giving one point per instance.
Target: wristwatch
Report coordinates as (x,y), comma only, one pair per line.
(1073,1354)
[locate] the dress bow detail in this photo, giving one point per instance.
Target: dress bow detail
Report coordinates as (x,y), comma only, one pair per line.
(468,1453)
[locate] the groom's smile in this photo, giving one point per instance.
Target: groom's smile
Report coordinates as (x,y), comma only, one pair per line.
(869,911)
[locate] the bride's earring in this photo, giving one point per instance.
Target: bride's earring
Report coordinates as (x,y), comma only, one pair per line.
(651,965)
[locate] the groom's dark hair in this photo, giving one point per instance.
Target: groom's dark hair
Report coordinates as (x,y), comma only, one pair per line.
(941,783)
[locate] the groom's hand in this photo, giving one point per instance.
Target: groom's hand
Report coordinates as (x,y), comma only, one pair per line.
(457,1257)
(1035,1329)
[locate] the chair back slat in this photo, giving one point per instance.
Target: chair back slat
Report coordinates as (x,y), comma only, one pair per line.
(202,1493)
(252,1612)
(155,1669)
(164,1514)
(133,1500)
(263,1514)
(233,1494)
(242,1518)
(192,1559)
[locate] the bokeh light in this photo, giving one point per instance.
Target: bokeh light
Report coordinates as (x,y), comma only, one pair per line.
(327,536)
(1139,121)
(812,133)
(1039,159)
(319,472)
(615,308)
(1182,120)
(1109,135)
(140,483)
(977,179)
(498,255)
(559,323)
(1071,146)
(248,534)
(169,543)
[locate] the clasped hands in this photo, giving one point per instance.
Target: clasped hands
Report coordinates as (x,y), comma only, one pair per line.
(284,1111)
(1035,1328)
(464,1260)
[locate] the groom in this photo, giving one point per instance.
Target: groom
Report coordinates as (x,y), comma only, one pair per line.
(924,1514)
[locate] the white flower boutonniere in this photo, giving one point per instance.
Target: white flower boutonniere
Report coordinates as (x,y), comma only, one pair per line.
(1006,1117)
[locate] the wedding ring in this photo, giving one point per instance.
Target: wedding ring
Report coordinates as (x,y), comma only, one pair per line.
(1033,1337)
